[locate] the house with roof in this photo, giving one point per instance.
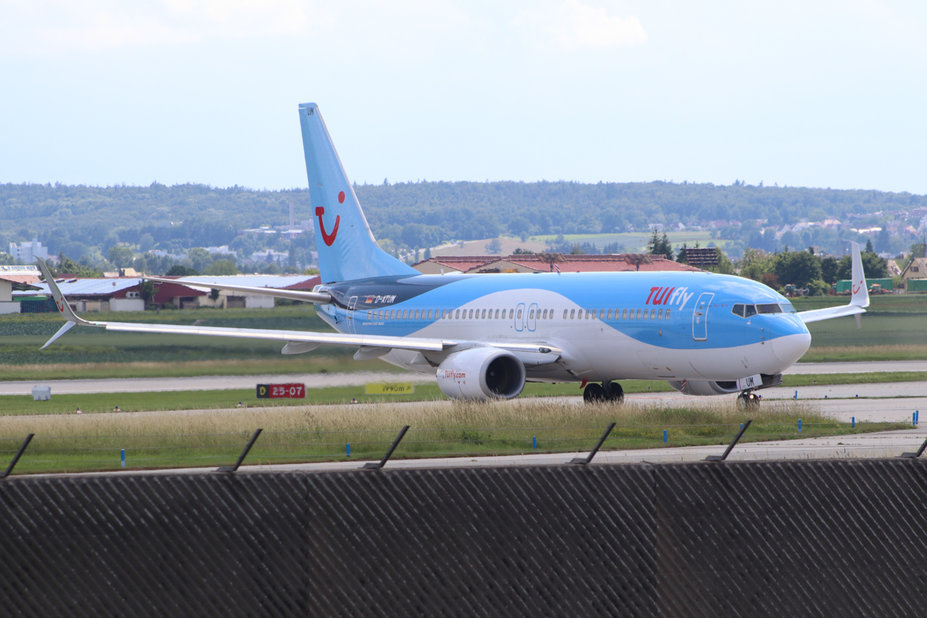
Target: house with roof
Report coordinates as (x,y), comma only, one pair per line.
(914,271)
(229,299)
(125,293)
(15,276)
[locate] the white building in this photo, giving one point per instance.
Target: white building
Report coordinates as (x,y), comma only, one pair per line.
(26,252)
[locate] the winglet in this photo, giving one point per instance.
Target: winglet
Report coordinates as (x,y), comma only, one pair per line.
(62,303)
(858,301)
(858,285)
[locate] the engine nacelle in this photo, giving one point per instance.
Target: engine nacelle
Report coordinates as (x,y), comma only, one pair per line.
(481,373)
(725,387)
(704,387)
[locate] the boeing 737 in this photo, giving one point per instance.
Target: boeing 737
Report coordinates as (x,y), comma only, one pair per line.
(485,335)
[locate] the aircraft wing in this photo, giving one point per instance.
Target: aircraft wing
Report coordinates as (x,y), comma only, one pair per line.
(296,341)
(858,301)
(309,297)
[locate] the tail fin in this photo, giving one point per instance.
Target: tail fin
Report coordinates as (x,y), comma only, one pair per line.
(347,249)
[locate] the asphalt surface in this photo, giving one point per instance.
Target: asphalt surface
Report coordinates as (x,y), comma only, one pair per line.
(321,380)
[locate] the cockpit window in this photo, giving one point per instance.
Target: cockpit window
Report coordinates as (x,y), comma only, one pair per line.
(746,311)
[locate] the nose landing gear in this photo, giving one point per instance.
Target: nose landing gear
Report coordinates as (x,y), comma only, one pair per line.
(606,392)
(748,400)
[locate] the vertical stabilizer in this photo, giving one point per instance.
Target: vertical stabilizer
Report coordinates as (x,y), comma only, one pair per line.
(347,249)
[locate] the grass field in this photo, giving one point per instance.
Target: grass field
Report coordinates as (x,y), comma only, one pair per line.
(71,443)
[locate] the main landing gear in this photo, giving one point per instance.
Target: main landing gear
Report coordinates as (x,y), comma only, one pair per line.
(748,400)
(606,392)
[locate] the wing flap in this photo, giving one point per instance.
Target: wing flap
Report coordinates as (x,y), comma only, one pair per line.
(294,336)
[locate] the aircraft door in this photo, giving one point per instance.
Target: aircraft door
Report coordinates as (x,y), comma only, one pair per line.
(349,314)
(520,317)
(700,316)
(532,317)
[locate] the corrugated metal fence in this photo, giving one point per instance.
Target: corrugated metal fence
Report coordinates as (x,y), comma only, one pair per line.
(790,538)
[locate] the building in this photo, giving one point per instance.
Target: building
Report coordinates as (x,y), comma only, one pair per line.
(702,257)
(226,298)
(27,252)
(19,276)
(550,262)
(916,269)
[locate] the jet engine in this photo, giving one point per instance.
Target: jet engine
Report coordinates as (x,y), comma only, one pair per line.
(480,374)
(704,387)
(724,387)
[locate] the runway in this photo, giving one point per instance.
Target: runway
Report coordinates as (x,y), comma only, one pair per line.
(322,380)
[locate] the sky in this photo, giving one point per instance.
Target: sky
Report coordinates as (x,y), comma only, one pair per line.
(815,93)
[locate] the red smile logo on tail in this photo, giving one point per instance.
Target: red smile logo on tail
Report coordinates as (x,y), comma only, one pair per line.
(327,238)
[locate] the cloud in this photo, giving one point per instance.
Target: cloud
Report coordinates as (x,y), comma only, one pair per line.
(577,25)
(54,26)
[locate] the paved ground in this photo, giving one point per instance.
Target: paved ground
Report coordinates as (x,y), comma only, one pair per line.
(204,383)
(319,380)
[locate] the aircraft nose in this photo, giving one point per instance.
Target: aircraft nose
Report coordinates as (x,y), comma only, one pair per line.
(790,348)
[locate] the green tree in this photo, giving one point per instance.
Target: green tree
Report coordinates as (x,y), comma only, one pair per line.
(222,267)
(829,269)
(797,268)
(874,267)
(121,256)
(660,245)
(198,259)
(146,291)
(67,266)
(179,270)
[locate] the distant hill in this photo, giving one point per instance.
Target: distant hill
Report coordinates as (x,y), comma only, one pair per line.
(79,219)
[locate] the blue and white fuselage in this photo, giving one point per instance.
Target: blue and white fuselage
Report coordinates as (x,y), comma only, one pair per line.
(608,326)
(485,335)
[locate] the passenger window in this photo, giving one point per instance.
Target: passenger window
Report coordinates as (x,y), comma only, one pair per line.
(572,313)
(609,314)
(667,314)
(518,315)
(660,314)
(638,314)
(624,314)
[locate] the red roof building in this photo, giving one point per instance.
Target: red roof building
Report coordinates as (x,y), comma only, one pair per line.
(552,262)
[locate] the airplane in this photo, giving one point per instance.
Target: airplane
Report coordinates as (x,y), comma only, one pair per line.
(485,335)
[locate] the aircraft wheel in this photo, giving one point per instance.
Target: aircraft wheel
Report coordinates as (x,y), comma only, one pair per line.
(614,392)
(748,401)
(594,393)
